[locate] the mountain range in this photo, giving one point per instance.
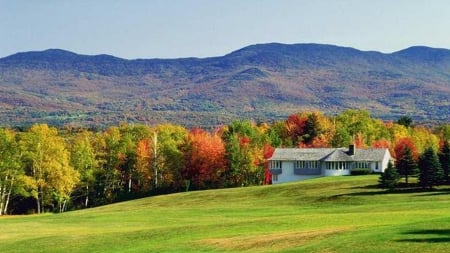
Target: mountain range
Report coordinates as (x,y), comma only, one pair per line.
(263,82)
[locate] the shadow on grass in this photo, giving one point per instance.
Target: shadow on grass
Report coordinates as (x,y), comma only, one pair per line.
(438,236)
(383,192)
(438,192)
(399,190)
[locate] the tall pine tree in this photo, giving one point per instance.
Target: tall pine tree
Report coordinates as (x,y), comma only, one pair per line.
(406,165)
(430,169)
(389,178)
(444,159)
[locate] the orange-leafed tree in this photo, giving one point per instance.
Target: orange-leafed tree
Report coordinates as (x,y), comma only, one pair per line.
(144,160)
(383,143)
(403,143)
(204,157)
(406,158)
(295,127)
(268,152)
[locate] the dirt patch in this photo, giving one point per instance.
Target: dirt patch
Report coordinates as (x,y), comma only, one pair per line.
(270,242)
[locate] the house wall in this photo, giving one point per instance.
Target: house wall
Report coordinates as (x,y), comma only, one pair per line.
(373,166)
(287,174)
(338,172)
(386,158)
(287,170)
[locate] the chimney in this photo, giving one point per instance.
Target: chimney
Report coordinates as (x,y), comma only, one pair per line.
(351,149)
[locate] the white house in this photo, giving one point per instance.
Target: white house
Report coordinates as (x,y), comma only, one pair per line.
(293,164)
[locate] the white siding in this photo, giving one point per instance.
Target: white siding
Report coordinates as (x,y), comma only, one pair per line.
(386,158)
(339,172)
(287,174)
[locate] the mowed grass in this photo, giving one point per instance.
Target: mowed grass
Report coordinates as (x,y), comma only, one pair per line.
(333,214)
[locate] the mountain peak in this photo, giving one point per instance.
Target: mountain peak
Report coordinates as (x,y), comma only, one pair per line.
(46,54)
(423,53)
(269,80)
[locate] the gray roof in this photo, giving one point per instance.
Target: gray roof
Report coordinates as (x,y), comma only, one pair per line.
(327,154)
(371,154)
(338,155)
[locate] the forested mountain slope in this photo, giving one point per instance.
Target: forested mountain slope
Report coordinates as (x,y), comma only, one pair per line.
(263,82)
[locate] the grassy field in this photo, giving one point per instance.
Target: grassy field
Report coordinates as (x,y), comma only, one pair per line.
(333,214)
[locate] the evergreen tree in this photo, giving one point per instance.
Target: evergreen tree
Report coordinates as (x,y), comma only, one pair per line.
(430,169)
(444,159)
(311,129)
(405,121)
(389,179)
(406,164)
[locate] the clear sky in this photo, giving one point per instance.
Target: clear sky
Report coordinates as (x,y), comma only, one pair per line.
(202,28)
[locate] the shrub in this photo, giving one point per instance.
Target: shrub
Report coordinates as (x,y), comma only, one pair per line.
(360,171)
(389,179)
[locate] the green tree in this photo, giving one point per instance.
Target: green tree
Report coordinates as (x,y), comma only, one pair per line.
(389,178)
(10,168)
(405,121)
(312,128)
(169,156)
(245,142)
(444,159)
(83,158)
(430,169)
(406,165)
(341,137)
(159,159)
(49,177)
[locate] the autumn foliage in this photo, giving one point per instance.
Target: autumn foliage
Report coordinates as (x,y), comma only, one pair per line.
(204,156)
(58,169)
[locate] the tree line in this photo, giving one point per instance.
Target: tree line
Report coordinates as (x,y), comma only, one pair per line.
(45,169)
(431,167)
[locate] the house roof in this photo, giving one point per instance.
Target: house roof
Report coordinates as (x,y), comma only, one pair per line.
(337,155)
(328,154)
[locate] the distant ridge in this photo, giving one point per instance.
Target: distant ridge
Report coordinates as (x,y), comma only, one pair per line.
(263,82)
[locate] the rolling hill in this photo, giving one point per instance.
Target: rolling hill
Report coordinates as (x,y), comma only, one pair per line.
(262,82)
(331,214)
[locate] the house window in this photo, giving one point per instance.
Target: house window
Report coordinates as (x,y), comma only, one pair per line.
(307,164)
(274,177)
(337,166)
(362,165)
(275,165)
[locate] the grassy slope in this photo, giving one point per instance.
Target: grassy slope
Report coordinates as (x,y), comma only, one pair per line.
(334,214)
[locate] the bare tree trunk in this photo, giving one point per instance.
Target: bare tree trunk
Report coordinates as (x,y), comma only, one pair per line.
(2,199)
(155,155)
(129,182)
(62,206)
(8,196)
(38,204)
(87,197)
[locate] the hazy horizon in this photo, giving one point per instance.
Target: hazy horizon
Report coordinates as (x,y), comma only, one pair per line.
(202,28)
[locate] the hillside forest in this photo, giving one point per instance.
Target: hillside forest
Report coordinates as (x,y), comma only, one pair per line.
(45,169)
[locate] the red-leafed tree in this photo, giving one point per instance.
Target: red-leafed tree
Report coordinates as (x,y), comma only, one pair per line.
(204,156)
(406,158)
(295,127)
(382,143)
(402,144)
(268,152)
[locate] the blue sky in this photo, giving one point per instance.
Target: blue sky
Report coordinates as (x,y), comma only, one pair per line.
(202,28)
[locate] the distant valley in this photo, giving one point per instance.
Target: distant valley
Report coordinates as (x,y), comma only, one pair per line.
(261,82)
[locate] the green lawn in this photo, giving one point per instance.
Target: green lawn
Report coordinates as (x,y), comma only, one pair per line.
(333,214)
